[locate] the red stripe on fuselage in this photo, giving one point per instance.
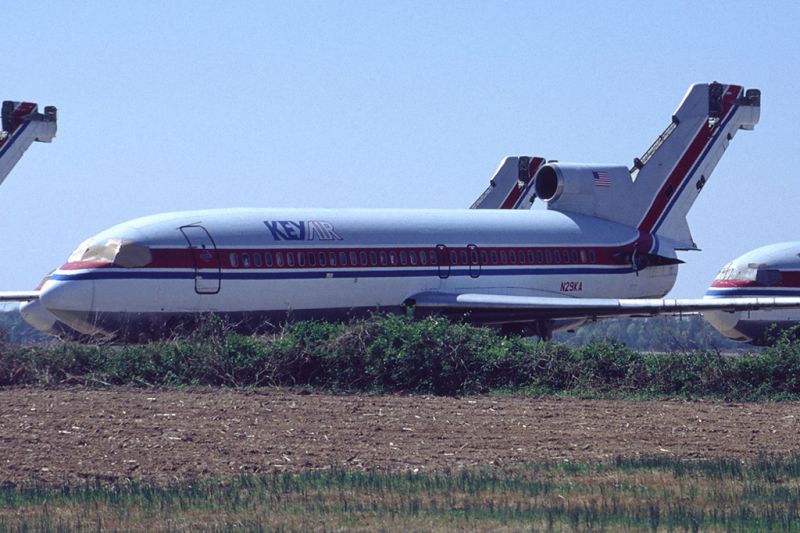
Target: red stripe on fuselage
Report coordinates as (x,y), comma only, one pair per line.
(787,279)
(687,161)
(390,257)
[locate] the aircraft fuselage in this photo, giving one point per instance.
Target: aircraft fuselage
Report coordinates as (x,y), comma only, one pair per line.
(261,266)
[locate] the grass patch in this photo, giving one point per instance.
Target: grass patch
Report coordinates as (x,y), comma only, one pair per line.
(650,493)
(397,354)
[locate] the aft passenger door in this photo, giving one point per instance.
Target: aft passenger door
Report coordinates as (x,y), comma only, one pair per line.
(443,261)
(207,267)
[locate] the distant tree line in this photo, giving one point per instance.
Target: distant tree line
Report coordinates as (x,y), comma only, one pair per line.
(655,334)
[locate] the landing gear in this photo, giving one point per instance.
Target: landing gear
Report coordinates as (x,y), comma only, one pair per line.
(542,329)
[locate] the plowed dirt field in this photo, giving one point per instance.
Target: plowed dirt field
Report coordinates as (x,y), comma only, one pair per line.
(73,435)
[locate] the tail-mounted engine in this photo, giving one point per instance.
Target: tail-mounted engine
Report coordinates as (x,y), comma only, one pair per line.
(581,188)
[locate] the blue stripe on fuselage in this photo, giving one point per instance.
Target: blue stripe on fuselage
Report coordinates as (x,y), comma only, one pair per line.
(725,293)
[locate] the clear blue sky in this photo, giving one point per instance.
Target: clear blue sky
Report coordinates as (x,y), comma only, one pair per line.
(169,106)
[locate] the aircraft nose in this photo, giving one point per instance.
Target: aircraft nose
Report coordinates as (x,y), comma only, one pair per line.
(71,302)
(67,295)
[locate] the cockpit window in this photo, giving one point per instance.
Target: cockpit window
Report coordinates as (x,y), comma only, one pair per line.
(122,253)
(733,272)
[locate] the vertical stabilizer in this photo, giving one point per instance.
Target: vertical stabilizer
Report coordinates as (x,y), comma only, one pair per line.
(670,175)
(657,192)
(511,187)
(22,125)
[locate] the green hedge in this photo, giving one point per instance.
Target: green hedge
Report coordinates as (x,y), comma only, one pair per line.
(397,354)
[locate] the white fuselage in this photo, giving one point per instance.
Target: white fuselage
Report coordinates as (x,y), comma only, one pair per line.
(258,265)
(772,270)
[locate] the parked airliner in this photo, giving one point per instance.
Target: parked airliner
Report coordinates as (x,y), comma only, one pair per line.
(605,246)
(771,271)
(511,187)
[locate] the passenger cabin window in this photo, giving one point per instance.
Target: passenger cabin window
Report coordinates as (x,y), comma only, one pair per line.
(403,258)
(412,257)
(268,258)
(301,259)
(393,258)
(279,259)
(257,260)
(234,259)
(312,259)
(289,259)
(539,257)
(592,256)
(494,257)
(531,259)
(512,257)
(503,257)
(423,257)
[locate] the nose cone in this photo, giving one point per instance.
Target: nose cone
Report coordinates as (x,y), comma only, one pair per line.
(727,323)
(70,302)
(37,315)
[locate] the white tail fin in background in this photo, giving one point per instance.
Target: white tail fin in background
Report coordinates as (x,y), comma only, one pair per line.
(22,125)
(511,187)
(657,193)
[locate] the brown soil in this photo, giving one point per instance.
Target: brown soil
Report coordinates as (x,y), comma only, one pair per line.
(75,435)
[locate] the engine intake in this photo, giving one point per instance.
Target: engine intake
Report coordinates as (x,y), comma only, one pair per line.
(548,185)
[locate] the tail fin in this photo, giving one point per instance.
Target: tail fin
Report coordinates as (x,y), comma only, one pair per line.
(657,193)
(671,174)
(511,187)
(22,125)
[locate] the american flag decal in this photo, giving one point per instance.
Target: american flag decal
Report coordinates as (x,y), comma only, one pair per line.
(601,178)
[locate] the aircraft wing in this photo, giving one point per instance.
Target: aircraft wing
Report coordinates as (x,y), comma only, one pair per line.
(494,308)
(18,296)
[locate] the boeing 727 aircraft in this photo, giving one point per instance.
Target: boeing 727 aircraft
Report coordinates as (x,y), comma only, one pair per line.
(605,246)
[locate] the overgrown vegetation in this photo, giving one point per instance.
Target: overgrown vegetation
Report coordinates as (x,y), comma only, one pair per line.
(397,354)
(650,493)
